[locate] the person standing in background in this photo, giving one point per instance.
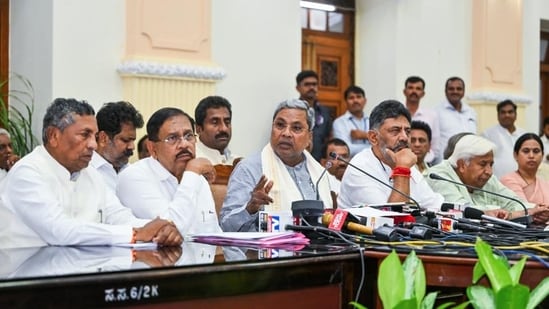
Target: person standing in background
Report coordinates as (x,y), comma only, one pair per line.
(307,86)
(352,127)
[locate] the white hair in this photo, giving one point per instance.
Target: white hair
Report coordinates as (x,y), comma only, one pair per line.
(4,132)
(471,146)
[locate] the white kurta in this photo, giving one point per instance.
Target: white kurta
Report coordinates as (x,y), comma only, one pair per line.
(504,161)
(42,203)
(150,190)
(203,151)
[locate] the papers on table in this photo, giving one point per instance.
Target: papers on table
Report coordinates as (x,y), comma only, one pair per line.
(254,239)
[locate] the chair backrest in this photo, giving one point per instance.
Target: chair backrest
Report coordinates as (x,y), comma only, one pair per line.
(219,186)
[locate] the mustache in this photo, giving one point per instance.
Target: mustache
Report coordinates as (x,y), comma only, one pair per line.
(401,145)
(128,152)
(222,135)
(185,152)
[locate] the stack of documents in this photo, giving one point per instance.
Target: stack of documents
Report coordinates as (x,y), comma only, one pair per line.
(280,240)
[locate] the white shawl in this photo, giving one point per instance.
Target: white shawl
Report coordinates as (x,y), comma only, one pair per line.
(285,190)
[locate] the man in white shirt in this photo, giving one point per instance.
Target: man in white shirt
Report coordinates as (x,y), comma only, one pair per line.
(171,183)
(7,157)
(51,197)
(414,90)
(352,127)
(117,123)
(336,171)
(504,135)
(213,116)
(454,115)
(390,160)
(420,142)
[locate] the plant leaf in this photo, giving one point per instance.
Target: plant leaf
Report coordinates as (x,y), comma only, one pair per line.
(407,304)
(512,296)
(516,270)
(390,283)
(538,294)
(478,272)
(357,305)
(414,277)
(429,301)
(460,306)
(481,297)
(495,269)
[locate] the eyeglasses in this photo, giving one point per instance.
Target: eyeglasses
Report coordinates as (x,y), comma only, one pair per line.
(295,128)
(174,139)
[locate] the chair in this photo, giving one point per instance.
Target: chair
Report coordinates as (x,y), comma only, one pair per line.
(219,186)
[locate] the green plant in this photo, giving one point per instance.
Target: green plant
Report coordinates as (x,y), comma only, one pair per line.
(403,285)
(505,291)
(16,117)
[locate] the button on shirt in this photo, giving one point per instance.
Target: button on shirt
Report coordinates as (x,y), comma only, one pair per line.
(343,126)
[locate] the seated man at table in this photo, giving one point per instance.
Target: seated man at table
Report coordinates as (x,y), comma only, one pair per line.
(281,173)
(213,124)
(117,122)
(390,160)
(471,164)
(171,183)
(7,157)
(52,197)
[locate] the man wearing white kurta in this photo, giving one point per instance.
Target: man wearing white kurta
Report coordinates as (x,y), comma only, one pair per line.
(117,123)
(213,117)
(50,197)
(504,135)
(171,183)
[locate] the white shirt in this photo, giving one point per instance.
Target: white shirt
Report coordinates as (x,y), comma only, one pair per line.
(343,126)
(504,161)
(335,184)
(105,168)
(452,122)
(358,189)
(150,190)
(429,116)
(203,151)
(545,142)
(42,203)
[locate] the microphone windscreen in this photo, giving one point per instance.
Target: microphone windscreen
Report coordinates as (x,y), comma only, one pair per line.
(472,213)
(435,176)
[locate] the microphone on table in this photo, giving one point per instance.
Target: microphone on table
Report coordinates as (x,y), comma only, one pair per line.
(473,213)
(526,219)
(310,210)
(335,156)
(340,219)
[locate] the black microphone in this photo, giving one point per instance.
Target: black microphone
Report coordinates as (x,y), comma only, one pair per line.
(311,210)
(335,156)
(527,219)
(473,213)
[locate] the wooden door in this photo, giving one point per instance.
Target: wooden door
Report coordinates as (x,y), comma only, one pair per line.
(331,59)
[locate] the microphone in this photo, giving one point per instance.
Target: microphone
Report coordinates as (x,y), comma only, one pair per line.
(326,167)
(382,233)
(527,219)
(335,156)
(310,210)
(473,213)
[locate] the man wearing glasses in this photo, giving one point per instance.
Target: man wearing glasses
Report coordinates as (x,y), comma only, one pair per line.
(390,160)
(281,173)
(171,183)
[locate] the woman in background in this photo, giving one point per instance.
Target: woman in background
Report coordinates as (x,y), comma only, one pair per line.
(528,153)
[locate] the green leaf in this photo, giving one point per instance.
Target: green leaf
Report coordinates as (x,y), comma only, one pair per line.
(516,270)
(481,297)
(390,283)
(407,304)
(478,272)
(460,306)
(357,305)
(414,277)
(512,296)
(539,294)
(429,301)
(495,269)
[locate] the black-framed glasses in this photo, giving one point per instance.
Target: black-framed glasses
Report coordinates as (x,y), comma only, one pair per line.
(175,139)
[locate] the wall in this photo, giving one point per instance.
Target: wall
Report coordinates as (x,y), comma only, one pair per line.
(258,43)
